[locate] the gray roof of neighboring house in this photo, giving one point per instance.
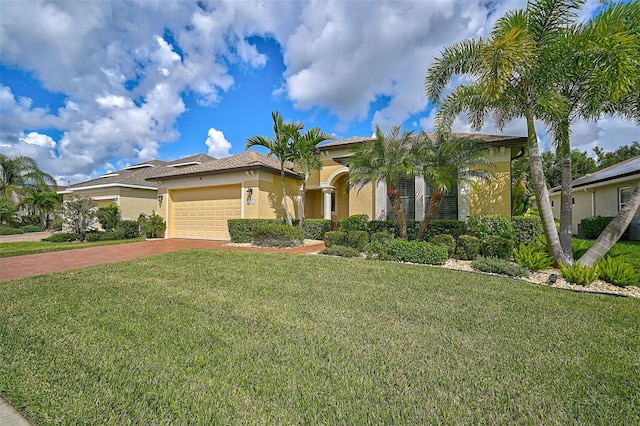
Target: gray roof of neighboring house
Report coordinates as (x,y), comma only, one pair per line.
(625,168)
(489,140)
(248,160)
(137,174)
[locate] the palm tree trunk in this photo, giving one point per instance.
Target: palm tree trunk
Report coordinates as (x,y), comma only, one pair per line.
(566,216)
(613,231)
(398,210)
(437,196)
(303,197)
(284,195)
(542,195)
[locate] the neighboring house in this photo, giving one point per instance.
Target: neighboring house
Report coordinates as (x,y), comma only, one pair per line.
(197,201)
(129,188)
(602,193)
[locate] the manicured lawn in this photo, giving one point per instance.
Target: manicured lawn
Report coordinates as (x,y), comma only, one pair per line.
(216,337)
(628,250)
(33,247)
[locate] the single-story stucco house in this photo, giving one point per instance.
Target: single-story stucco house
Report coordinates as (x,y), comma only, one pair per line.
(602,193)
(129,188)
(196,201)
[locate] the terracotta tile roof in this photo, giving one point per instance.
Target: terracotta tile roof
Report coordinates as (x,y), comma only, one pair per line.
(489,140)
(630,167)
(245,161)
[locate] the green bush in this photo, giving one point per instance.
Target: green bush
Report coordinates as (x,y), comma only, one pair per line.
(108,216)
(334,238)
(56,224)
(454,228)
(241,230)
(526,229)
(381,235)
(314,229)
(271,235)
(592,227)
(497,247)
(615,270)
(128,229)
(389,226)
(468,247)
(490,225)
(30,219)
(152,226)
(445,240)
(533,256)
(499,266)
(356,239)
(579,274)
(103,236)
(60,237)
(356,222)
(32,228)
(341,251)
(6,230)
(400,250)
(413,226)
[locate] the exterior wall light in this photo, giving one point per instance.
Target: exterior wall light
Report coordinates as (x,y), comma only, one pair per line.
(250,200)
(159,198)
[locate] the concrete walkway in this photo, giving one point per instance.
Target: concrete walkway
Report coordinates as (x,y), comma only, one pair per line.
(9,416)
(43,263)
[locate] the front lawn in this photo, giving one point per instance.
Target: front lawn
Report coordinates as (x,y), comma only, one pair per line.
(628,250)
(33,247)
(221,337)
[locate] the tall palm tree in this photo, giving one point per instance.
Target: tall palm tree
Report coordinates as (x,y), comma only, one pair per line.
(20,173)
(515,75)
(445,163)
(280,147)
(306,155)
(386,158)
(41,203)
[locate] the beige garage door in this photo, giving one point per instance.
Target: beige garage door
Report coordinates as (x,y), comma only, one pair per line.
(202,213)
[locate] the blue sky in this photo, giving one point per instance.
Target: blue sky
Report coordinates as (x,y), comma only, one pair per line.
(90,87)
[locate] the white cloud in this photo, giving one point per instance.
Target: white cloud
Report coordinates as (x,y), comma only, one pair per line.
(218,145)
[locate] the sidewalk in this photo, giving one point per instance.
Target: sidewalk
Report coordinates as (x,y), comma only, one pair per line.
(9,416)
(43,263)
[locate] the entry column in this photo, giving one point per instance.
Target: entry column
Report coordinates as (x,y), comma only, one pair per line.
(327,202)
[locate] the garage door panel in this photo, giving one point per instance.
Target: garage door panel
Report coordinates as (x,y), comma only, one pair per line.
(203,213)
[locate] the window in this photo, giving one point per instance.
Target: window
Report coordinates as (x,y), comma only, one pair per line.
(334,209)
(449,207)
(624,194)
(407,189)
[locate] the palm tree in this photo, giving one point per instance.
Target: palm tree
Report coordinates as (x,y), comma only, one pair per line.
(280,147)
(306,155)
(19,173)
(41,203)
(445,163)
(386,158)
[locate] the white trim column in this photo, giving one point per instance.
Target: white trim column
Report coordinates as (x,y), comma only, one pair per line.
(420,188)
(300,204)
(381,201)
(327,202)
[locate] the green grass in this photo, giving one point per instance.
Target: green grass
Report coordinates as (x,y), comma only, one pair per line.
(628,250)
(33,247)
(218,337)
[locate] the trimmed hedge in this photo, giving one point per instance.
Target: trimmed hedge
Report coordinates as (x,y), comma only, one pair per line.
(241,230)
(455,228)
(436,227)
(490,225)
(526,229)
(276,235)
(6,230)
(499,266)
(497,247)
(445,240)
(389,226)
(354,239)
(341,251)
(592,227)
(126,229)
(400,250)
(468,247)
(60,237)
(103,236)
(314,229)
(32,228)
(356,222)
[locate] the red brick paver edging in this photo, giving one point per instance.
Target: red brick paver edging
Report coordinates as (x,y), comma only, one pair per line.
(42,263)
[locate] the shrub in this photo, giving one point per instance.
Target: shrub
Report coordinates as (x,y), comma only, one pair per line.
(108,216)
(241,230)
(6,230)
(30,219)
(103,236)
(499,266)
(413,226)
(153,226)
(592,227)
(334,238)
(445,240)
(400,250)
(381,235)
(32,228)
(341,251)
(498,247)
(356,222)
(454,228)
(60,237)
(127,229)
(526,229)
(56,224)
(314,229)
(79,214)
(389,226)
(533,256)
(615,270)
(490,225)
(468,247)
(271,235)
(579,274)
(356,239)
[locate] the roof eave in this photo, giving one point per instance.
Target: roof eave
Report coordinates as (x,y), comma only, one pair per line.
(222,171)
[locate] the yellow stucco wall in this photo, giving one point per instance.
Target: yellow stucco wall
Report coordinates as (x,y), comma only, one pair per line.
(131,201)
(494,196)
